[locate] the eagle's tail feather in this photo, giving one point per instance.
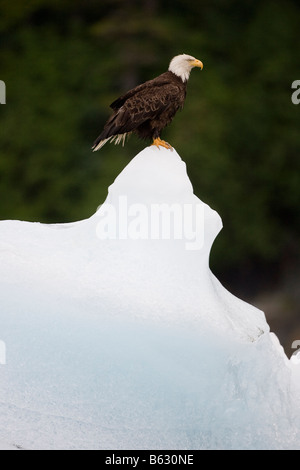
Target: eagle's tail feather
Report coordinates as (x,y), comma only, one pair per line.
(117,139)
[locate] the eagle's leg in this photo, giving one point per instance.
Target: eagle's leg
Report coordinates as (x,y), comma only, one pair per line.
(161,143)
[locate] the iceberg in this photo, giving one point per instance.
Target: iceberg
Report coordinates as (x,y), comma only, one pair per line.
(115,333)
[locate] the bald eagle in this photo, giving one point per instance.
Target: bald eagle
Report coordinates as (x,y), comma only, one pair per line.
(148,108)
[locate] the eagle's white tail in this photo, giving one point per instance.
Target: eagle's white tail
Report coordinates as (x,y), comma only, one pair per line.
(117,139)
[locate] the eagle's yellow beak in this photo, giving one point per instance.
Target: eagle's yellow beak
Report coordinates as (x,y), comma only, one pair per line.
(197,63)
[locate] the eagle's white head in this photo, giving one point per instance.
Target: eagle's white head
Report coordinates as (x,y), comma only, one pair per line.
(182,65)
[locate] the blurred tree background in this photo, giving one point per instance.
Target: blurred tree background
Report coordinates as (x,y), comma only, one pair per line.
(65,61)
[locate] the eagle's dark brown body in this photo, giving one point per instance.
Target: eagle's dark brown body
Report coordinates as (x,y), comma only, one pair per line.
(146,109)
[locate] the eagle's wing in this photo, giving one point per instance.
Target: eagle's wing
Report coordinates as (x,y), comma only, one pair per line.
(146,103)
(161,80)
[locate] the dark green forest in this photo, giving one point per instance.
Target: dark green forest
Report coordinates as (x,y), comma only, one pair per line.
(65,61)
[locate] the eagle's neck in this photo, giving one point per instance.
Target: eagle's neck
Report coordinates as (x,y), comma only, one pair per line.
(181,70)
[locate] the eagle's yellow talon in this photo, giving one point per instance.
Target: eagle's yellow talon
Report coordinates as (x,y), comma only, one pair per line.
(161,143)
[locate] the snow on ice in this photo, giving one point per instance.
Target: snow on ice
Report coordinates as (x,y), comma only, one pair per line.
(115,334)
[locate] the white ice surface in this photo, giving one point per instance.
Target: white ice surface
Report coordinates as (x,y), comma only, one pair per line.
(134,344)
